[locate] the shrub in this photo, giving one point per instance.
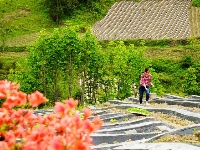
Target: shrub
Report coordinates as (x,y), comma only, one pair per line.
(186,62)
(196,3)
(190,85)
(1,64)
(20,129)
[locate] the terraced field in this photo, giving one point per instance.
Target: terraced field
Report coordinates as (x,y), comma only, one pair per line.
(173,124)
(149,19)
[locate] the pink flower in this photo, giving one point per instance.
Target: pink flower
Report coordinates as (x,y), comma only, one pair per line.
(57,144)
(59,108)
(71,103)
(87,113)
(97,123)
(4,145)
(63,130)
(16,99)
(10,138)
(6,88)
(36,99)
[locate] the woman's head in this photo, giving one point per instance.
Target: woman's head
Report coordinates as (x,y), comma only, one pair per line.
(146,70)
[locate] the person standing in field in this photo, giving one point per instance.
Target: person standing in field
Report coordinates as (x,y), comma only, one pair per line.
(145,82)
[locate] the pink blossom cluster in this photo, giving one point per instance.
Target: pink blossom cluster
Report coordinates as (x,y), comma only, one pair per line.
(20,129)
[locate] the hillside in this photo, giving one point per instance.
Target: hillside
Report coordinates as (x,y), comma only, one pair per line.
(22,21)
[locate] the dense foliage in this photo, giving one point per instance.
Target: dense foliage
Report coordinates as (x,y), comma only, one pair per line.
(19,17)
(69,64)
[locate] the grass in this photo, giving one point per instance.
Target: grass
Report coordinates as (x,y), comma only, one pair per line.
(23,18)
(174,53)
(22,40)
(13,55)
(171,120)
(8,61)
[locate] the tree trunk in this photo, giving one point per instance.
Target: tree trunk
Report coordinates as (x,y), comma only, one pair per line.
(70,74)
(57,14)
(55,85)
(83,89)
(44,82)
(94,91)
(118,88)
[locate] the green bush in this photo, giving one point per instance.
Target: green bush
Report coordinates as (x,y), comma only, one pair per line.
(1,64)
(3,74)
(150,42)
(197,74)
(158,89)
(196,3)
(163,42)
(186,62)
(5,66)
(165,65)
(190,85)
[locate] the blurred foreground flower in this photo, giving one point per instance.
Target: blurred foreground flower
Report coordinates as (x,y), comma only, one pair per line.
(20,129)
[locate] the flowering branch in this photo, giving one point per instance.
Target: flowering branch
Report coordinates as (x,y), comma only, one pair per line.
(22,130)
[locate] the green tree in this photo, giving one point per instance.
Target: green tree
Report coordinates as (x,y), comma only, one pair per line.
(186,62)
(196,3)
(19,74)
(126,63)
(158,89)
(57,62)
(90,64)
(190,85)
(59,8)
(197,73)
(53,60)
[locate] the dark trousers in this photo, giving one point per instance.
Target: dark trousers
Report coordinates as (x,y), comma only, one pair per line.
(141,92)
